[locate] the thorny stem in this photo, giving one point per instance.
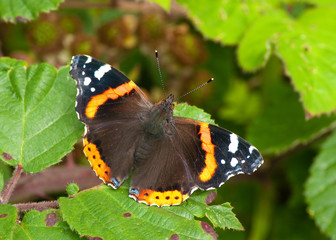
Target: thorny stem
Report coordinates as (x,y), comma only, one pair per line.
(7,192)
(37,205)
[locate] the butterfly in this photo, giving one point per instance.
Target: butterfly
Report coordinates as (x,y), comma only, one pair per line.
(170,157)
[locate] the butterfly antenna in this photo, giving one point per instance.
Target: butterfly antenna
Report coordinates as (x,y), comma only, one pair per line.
(158,65)
(210,80)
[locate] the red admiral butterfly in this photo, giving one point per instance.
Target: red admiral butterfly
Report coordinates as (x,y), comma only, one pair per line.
(171,156)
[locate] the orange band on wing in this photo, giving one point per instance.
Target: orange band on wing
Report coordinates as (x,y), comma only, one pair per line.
(210,162)
(111,93)
(166,198)
(98,165)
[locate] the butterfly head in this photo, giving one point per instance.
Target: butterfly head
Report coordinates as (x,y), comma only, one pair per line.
(160,117)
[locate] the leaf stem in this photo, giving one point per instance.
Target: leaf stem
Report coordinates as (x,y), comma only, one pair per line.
(7,192)
(36,205)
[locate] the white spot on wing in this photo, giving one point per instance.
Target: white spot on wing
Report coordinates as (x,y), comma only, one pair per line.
(233,146)
(234,162)
(89,59)
(223,161)
(251,149)
(229,176)
(131,196)
(93,89)
(143,202)
(111,185)
(101,71)
(87,81)
(193,190)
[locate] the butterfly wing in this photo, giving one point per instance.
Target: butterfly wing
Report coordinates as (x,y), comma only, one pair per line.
(196,155)
(109,104)
(164,178)
(225,155)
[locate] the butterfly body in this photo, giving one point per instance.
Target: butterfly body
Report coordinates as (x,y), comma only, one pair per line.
(170,156)
(159,119)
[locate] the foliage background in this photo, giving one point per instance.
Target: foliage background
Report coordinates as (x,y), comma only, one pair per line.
(275,85)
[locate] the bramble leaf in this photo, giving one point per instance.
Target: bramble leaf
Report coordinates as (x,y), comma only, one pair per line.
(43,225)
(307,48)
(221,215)
(8,217)
(282,124)
(193,112)
(225,21)
(109,214)
(320,191)
(38,123)
(27,9)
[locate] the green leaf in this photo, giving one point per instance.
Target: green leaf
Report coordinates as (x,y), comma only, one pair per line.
(187,111)
(282,124)
(27,9)
(258,43)
(222,215)
(44,225)
(111,214)
(320,190)
(307,48)
(225,21)
(8,217)
(38,123)
(165,4)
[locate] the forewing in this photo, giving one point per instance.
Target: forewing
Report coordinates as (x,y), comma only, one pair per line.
(109,104)
(221,154)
